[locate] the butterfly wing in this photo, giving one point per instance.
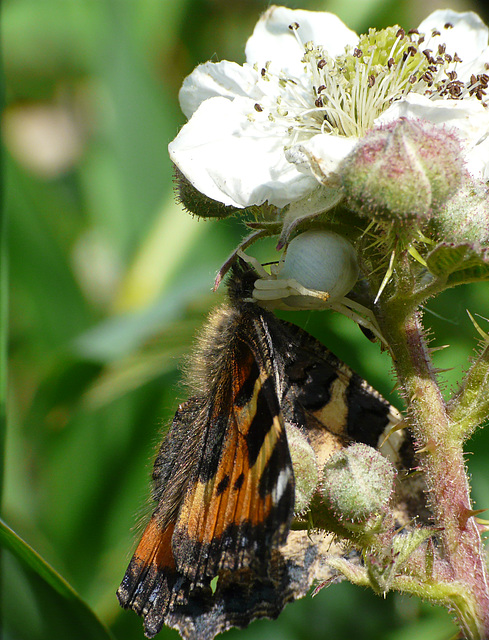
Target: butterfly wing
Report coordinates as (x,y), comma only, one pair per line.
(152,571)
(224,482)
(333,406)
(241,502)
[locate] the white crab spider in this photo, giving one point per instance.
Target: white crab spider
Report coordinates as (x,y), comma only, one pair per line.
(317,270)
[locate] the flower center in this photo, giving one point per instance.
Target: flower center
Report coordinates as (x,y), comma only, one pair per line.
(346,93)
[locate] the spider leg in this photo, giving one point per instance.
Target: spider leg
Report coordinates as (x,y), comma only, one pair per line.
(361,315)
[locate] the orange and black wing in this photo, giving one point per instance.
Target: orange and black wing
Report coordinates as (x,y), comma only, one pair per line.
(242,500)
(152,571)
(225,487)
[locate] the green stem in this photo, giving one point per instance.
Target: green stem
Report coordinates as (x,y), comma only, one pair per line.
(442,461)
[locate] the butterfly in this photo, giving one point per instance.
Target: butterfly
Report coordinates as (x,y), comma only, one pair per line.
(218,551)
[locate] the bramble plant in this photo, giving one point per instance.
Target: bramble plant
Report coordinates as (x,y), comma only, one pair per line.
(382,140)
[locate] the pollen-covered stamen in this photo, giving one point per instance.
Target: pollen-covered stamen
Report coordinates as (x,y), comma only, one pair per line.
(343,95)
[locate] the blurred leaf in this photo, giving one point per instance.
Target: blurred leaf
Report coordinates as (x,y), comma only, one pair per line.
(119,336)
(166,247)
(140,117)
(3,337)
(153,359)
(41,45)
(46,299)
(75,619)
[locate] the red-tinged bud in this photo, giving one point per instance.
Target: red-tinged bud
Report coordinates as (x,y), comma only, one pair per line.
(403,171)
(465,217)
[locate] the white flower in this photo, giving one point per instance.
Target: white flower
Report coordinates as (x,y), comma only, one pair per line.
(274,128)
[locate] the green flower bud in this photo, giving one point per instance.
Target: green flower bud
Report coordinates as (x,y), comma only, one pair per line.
(402,171)
(357,482)
(305,467)
(465,217)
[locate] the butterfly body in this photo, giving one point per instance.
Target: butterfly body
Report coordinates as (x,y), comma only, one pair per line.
(212,555)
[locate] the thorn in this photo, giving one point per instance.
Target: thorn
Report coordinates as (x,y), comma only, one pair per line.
(415,254)
(424,239)
(465,514)
(424,449)
(395,386)
(387,277)
(427,448)
(482,333)
(413,473)
(396,427)
(321,585)
(443,346)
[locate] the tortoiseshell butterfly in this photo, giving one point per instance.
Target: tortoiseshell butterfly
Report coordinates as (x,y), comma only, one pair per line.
(217,551)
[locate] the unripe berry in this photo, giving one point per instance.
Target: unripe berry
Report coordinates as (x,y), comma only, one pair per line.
(357,482)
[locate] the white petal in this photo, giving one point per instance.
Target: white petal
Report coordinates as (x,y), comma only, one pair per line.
(273,41)
(321,155)
(477,65)
(467,38)
(468,117)
(212,79)
(226,156)
(478,160)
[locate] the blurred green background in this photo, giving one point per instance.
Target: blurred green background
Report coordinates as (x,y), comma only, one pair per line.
(110,280)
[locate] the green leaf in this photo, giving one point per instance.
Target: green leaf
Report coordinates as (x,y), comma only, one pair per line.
(459,264)
(74,619)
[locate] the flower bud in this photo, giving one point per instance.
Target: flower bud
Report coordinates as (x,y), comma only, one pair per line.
(305,467)
(357,482)
(402,171)
(465,217)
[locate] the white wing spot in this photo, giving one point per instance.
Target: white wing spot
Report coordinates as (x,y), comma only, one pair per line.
(282,482)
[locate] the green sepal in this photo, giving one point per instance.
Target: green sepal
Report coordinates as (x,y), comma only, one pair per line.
(382,570)
(459,264)
(469,407)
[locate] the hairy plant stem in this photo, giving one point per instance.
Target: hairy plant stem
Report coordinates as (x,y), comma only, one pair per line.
(441,457)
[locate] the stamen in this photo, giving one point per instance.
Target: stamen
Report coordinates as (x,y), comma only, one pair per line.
(344,95)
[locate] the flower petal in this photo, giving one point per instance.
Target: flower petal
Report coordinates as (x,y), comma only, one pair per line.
(273,41)
(467,37)
(476,66)
(212,79)
(321,155)
(469,117)
(232,155)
